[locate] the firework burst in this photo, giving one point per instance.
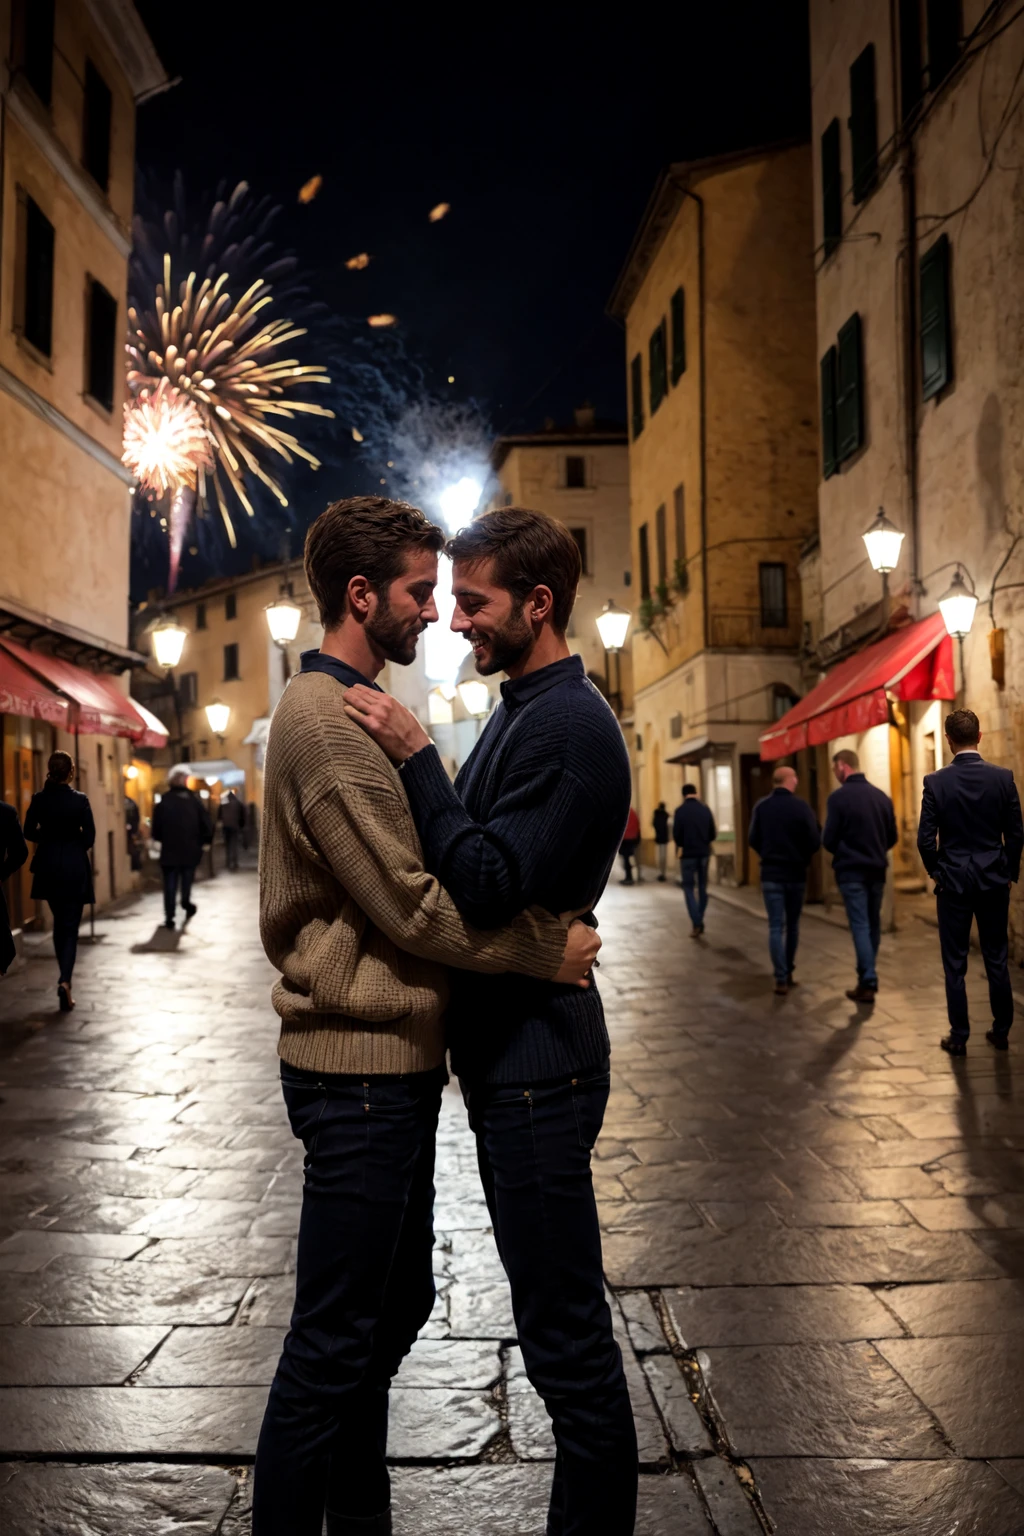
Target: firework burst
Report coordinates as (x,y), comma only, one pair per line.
(165,443)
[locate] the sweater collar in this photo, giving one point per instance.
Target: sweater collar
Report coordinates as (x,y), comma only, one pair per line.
(518,691)
(317,661)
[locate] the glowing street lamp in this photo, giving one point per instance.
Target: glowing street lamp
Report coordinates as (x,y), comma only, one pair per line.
(882,541)
(957,606)
(218,715)
(283,618)
(459,501)
(476,697)
(612,624)
(168,640)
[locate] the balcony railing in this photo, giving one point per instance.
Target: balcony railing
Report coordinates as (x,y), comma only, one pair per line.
(741,629)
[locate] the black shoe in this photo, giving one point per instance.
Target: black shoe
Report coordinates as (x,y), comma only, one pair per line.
(861,994)
(1001,1042)
(190,911)
(661,879)
(168,922)
(954,1045)
(359,1525)
(64,1002)
(791,980)
(781,988)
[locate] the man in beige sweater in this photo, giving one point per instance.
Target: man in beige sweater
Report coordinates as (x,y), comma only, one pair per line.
(362,936)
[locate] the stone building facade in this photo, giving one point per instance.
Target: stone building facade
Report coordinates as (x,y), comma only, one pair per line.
(717,300)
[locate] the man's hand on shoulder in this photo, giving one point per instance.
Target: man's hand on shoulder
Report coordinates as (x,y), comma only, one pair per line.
(393,727)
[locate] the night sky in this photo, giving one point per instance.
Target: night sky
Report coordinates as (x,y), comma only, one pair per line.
(544,131)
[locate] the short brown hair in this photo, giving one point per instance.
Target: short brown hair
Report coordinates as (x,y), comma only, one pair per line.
(529,549)
(846,756)
(367,536)
(963,727)
(60,767)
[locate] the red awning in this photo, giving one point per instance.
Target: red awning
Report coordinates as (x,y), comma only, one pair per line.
(156,733)
(913,663)
(21,693)
(100,708)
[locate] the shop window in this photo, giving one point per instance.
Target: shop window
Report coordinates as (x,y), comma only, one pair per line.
(96,126)
(102,345)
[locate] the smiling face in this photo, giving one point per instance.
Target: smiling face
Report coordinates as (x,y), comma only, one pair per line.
(399,614)
(496,625)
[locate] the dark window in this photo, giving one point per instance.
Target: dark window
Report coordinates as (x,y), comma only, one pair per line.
(678,335)
(200,615)
(936,337)
(675,726)
(231,606)
(96,127)
(34,21)
(829,457)
(831,188)
(186,752)
(679,509)
(658,367)
(943,39)
(911,73)
(645,563)
(230,662)
(849,391)
(102,345)
(661,545)
(863,124)
(772,581)
(580,536)
(575,472)
(636,380)
(783,699)
(188,689)
(37,290)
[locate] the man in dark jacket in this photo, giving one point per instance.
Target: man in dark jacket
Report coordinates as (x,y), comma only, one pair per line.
(694,830)
(971,837)
(860,828)
(182,827)
(13,853)
(232,819)
(660,823)
(784,831)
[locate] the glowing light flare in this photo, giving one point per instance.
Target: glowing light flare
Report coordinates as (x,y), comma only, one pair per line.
(357,436)
(882,542)
(379,321)
(310,188)
(358,263)
(957,606)
(168,640)
(475,696)
(218,715)
(438,212)
(165,443)
(458,502)
(283,619)
(612,624)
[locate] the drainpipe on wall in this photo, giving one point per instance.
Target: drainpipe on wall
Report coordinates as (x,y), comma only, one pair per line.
(703,413)
(908,255)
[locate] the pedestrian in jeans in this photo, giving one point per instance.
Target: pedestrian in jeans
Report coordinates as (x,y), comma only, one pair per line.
(59,821)
(534,817)
(231,816)
(628,848)
(182,827)
(362,935)
(660,823)
(694,830)
(860,828)
(784,831)
(971,810)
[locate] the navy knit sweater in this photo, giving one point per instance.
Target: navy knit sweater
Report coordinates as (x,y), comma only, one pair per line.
(534,818)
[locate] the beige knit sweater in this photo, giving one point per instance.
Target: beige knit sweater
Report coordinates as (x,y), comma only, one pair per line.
(359,931)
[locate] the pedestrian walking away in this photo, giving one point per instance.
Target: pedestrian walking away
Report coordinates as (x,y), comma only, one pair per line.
(231,815)
(693,831)
(971,837)
(182,827)
(784,832)
(660,822)
(13,853)
(362,935)
(860,828)
(534,817)
(628,847)
(59,821)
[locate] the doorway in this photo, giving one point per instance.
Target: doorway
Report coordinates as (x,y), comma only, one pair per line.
(755,782)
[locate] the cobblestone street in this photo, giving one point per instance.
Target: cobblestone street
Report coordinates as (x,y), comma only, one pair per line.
(813,1233)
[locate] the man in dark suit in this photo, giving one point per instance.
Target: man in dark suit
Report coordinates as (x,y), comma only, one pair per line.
(182,827)
(784,832)
(971,837)
(693,831)
(860,828)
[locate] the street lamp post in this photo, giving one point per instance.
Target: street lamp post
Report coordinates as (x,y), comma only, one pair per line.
(612,625)
(217,715)
(283,619)
(168,641)
(957,606)
(882,542)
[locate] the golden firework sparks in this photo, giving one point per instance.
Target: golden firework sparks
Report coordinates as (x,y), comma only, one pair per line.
(438,212)
(357,436)
(357,263)
(165,443)
(381,320)
(310,188)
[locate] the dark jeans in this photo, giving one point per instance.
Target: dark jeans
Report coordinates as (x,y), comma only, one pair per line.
(67,918)
(626,853)
(863,902)
(231,847)
(364,1288)
(783,901)
(173,874)
(694,877)
(991,909)
(533,1148)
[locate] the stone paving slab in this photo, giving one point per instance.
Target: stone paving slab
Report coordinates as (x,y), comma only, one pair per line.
(76,1357)
(137,1499)
(971,1385)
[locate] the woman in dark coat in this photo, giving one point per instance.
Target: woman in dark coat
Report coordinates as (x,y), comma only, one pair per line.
(60,822)
(13,854)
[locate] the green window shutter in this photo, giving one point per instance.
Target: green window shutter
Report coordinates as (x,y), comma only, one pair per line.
(828,414)
(936,338)
(645,562)
(863,124)
(658,362)
(831,188)
(849,391)
(911,64)
(636,380)
(943,39)
(678,335)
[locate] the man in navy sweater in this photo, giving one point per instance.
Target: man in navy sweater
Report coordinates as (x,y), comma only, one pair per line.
(970,837)
(535,817)
(784,832)
(693,831)
(860,828)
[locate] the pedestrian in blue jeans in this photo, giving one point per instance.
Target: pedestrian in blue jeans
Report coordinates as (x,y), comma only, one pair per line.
(860,828)
(694,830)
(784,831)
